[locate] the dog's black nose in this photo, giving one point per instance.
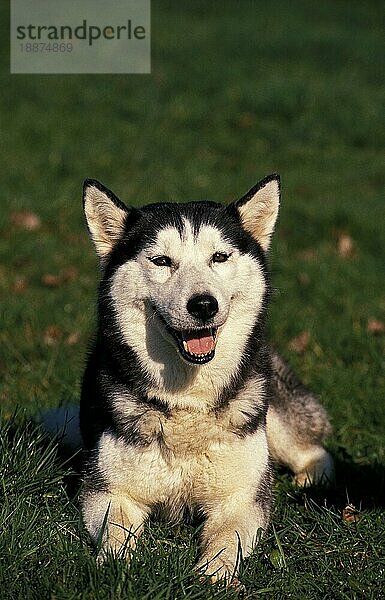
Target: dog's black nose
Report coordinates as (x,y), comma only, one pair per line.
(202,306)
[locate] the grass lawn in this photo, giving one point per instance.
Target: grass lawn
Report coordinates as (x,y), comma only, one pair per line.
(238,90)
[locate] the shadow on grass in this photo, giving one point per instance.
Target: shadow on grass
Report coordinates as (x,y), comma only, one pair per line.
(361,485)
(24,439)
(73,465)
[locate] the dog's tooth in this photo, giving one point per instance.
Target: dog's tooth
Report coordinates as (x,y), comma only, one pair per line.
(185,346)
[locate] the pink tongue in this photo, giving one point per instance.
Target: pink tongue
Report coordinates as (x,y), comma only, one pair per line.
(201,345)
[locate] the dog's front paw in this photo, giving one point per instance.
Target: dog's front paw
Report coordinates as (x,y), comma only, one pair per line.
(218,568)
(115,549)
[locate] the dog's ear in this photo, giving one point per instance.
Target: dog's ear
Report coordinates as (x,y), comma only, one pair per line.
(258,209)
(105,215)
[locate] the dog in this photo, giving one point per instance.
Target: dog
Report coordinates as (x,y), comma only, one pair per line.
(184,405)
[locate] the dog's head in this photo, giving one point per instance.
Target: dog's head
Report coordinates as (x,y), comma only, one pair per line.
(195,273)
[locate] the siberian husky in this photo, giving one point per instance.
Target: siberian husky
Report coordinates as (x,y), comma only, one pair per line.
(183,404)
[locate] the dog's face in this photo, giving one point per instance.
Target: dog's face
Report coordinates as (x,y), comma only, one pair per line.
(190,281)
(195,272)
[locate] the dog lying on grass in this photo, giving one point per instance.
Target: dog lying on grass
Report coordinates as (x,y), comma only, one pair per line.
(183,402)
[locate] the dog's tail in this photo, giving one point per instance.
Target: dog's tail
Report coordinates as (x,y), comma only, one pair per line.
(63,424)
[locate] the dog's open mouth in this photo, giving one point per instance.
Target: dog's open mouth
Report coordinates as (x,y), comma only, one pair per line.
(197,346)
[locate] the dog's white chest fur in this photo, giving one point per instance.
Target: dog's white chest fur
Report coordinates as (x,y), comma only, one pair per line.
(191,458)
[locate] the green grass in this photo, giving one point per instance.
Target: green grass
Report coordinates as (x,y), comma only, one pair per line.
(237,90)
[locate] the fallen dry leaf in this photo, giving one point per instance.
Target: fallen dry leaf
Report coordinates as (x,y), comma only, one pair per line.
(72,339)
(70,274)
(20,285)
(50,280)
(350,514)
(300,342)
(26,220)
(376,327)
(345,245)
(51,335)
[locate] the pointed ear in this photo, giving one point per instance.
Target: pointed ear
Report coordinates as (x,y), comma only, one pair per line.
(105,215)
(258,209)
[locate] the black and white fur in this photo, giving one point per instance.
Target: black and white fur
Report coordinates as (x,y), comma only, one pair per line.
(183,403)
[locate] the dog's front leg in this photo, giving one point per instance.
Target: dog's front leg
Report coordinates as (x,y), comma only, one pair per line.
(114,522)
(230,532)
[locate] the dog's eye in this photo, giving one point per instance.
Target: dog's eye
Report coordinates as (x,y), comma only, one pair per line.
(220,257)
(161,261)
